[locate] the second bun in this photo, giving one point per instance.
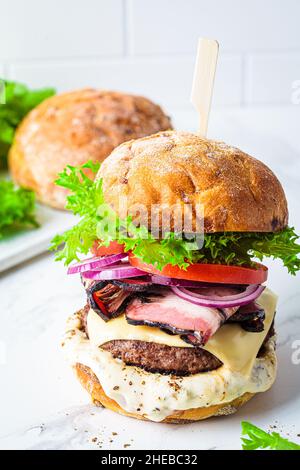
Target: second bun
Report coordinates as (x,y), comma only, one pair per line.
(72,128)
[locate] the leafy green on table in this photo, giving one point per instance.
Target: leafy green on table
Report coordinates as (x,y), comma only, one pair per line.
(17,208)
(18,101)
(259,439)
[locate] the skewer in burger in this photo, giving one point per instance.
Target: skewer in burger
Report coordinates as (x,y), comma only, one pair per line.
(174,330)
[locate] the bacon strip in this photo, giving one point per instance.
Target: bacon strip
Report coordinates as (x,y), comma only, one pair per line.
(168,311)
(158,306)
(250,317)
(107,299)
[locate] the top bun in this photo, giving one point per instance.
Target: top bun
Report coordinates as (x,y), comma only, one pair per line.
(237,192)
(72,128)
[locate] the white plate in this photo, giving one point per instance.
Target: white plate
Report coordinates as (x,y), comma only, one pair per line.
(28,243)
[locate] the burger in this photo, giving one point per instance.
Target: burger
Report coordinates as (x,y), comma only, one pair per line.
(178,324)
(70,128)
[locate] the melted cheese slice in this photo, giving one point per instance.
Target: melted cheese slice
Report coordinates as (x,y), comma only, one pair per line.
(235,347)
(101,332)
(238,348)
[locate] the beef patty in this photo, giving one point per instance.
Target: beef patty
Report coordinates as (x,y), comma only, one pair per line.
(161,358)
(155,357)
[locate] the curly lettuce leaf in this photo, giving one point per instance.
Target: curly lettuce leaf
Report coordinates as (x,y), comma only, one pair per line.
(259,439)
(17,207)
(238,248)
(100,222)
(85,198)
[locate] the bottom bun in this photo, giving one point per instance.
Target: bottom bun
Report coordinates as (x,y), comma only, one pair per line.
(91,383)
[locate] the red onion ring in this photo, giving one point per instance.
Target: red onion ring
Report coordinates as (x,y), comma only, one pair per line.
(95,263)
(172,281)
(250,293)
(119,271)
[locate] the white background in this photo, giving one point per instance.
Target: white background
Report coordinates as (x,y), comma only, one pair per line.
(148,47)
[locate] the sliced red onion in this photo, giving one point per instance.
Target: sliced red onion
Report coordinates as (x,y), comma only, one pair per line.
(243,298)
(95,263)
(171,281)
(139,284)
(119,271)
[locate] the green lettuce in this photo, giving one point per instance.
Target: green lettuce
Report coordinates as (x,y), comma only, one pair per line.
(19,100)
(98,218)
(259,439)
(17,208)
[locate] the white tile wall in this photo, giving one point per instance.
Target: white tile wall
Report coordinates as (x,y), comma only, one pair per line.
(42,29)
(167,81)
(148,46)
(172,26)
(272,79)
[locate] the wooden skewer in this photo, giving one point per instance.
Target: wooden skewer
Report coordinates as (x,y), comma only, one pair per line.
(203,81)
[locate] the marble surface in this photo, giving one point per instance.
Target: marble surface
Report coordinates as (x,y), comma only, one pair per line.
(42,405)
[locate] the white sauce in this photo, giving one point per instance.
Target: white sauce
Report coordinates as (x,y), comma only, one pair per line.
(157,396)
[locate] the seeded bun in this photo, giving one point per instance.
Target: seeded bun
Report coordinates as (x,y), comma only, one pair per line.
(72,128)
(91,383)
(236,191)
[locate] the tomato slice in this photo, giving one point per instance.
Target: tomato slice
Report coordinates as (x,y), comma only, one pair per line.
(114,248)
(218,273)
